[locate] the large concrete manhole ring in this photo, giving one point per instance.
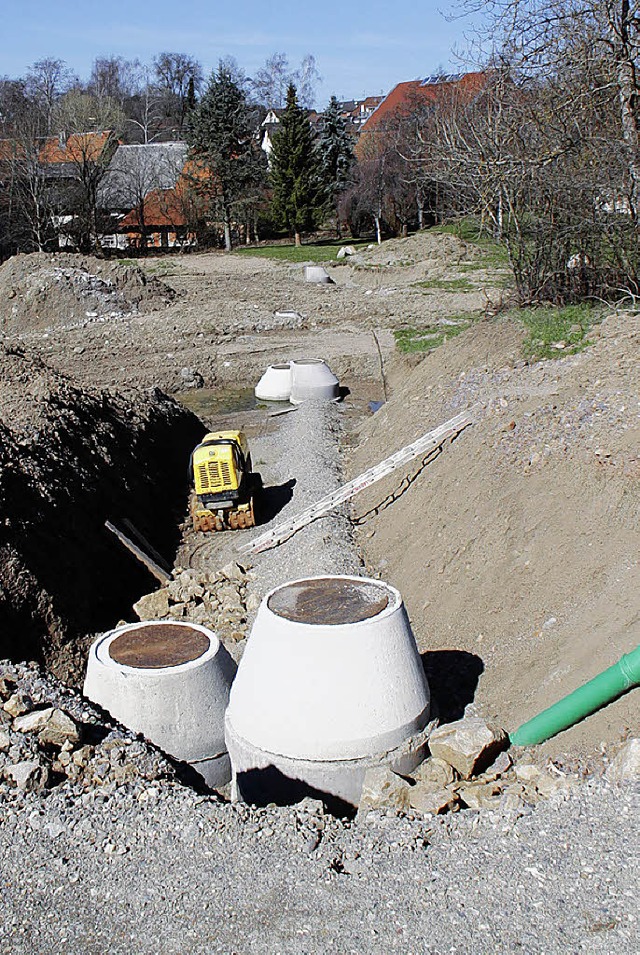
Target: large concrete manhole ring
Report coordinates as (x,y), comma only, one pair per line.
(169,681)
(330,685)
(329,600)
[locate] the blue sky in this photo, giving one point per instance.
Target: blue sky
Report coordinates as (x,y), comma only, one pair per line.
(359,48)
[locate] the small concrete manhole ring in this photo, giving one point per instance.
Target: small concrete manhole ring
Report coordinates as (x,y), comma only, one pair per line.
(329,600)
(158,645)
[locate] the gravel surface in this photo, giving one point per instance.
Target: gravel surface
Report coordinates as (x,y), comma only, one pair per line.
(299,462)
(149,869)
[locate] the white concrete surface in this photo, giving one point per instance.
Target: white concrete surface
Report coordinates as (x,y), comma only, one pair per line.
(254,779)
(178,708)
(275,384)
(317,273)
(330,692)
(311,378)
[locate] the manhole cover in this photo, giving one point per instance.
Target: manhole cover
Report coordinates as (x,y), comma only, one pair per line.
(164,645)
(329,600)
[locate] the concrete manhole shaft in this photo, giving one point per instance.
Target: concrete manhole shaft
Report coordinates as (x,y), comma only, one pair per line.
(169,681)
(330,684)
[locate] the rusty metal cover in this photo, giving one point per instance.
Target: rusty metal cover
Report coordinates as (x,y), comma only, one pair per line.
(161,645)
(329,600)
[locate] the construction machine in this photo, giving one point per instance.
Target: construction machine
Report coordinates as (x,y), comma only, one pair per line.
(224,483)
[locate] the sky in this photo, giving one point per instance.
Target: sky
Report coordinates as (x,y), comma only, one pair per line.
(360,49)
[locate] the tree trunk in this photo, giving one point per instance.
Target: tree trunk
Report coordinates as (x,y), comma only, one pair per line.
(298,240)
(629,117)
(378,230)
(227,235)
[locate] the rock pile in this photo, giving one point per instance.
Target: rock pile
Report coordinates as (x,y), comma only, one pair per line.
(215,599)
(50,736)
(469,768)
(69,291)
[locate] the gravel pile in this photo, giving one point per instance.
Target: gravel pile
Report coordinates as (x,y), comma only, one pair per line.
(304,454)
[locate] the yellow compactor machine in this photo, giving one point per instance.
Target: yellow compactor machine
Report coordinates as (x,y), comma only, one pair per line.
(224,482)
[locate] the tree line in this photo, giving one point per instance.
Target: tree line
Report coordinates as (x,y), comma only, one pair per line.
(543,152)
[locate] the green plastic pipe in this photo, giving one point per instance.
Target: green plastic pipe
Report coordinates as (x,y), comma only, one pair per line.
(582,702)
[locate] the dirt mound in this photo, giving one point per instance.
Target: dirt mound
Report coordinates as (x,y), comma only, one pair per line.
(520,543)
(70,459)
(423,248)
(41,291)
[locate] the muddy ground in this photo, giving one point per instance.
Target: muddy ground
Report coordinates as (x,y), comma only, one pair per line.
(515,550)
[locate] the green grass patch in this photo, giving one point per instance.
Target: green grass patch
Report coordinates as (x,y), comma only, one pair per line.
(554,332)
(447,285)
(314,252)
(411,341)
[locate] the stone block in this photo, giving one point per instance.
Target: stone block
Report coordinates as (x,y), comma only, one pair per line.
(60,728)
(432,801)
(469,745)
(626,765)
(384,789)
(153,606)
(29,775)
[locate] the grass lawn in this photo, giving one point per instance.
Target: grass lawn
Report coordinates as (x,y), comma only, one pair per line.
(313,252)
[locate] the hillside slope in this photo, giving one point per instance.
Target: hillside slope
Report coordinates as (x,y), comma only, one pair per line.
(518,547)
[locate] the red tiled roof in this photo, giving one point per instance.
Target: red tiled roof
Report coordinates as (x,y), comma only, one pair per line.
(402,97)
(78,147)
(162,207)
(10,149)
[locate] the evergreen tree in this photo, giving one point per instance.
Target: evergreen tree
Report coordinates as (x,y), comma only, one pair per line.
(335,157)
(191,95)
(294,170)
(221,138)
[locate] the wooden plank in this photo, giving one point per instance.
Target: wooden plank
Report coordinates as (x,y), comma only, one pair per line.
(137,552)
(142,542)
(428,442)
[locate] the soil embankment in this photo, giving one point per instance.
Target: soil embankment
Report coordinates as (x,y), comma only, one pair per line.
(70,459)
(519,544)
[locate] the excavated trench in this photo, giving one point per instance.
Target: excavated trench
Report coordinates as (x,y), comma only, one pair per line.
(70,460)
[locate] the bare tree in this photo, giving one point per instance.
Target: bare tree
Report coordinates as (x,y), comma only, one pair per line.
(138,171)
(542,37)
(176,75)
(145,108)
(270,84)
(114,77)
(45,82)
(14,104)
(89,130)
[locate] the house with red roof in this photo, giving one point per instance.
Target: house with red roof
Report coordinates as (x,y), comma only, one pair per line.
(405,97)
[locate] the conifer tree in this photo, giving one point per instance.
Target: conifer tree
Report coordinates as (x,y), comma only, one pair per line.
(221,138)
(335,157)
(294,170)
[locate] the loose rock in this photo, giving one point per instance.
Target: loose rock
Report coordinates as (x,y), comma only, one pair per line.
(468,745)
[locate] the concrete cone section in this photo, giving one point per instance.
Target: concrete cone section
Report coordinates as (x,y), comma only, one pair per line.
(311,378)
(275,384)
(330,684)
(318,274)
(169,681)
